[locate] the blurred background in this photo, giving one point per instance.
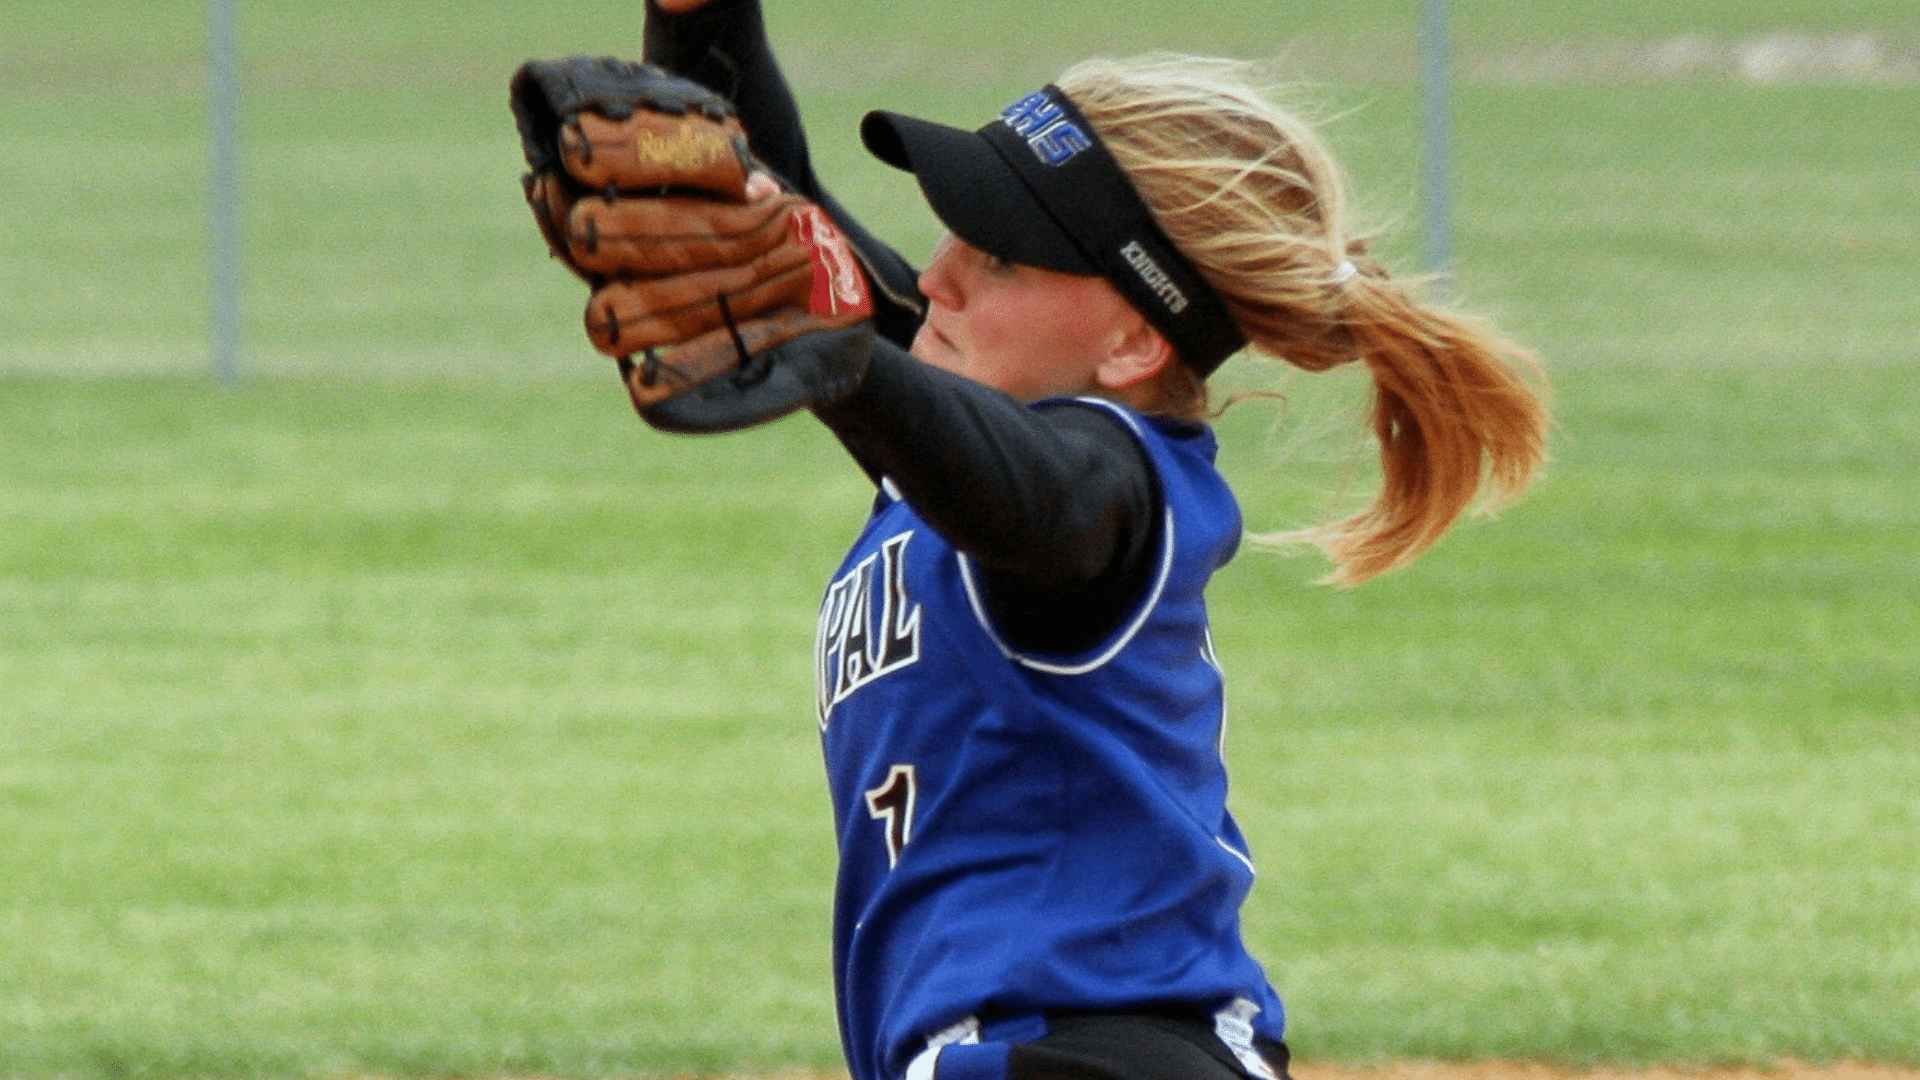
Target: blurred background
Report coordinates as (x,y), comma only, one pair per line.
(405,708)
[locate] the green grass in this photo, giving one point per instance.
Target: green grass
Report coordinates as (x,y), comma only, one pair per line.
(411,730)
(427,728)
(1627,773)
(412,710)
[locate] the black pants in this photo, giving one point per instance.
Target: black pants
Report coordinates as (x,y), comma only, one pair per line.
(1134,1046)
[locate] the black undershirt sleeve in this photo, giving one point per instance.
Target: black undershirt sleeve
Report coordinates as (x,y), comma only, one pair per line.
(1058,506)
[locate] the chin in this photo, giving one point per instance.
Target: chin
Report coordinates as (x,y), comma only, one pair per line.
(922,347)
(930,348)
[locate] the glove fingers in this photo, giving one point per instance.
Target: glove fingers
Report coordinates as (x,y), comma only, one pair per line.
(655,150)
(551,205)
(672,234)
(628,316)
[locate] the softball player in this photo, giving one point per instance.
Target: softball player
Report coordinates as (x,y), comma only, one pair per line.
(1019,703)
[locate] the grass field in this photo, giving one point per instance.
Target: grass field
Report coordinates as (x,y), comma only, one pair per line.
(411,710)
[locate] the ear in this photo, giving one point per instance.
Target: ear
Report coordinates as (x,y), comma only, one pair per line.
(1138,353)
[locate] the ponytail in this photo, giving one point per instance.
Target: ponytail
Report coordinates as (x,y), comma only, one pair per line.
(1249,193)
(1453,411)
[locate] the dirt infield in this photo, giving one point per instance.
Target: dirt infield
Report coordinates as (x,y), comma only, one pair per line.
(1507,1070)
(1520,1070)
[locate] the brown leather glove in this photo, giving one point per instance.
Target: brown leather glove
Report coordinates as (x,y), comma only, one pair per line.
(700,264)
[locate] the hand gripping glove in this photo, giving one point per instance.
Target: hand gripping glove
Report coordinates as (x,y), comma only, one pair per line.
(740,309)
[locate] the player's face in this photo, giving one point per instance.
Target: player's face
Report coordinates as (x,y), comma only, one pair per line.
(1031,332)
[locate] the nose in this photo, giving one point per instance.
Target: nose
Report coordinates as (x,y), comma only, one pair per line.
(937,280)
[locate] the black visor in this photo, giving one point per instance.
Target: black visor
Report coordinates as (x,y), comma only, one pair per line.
(1036,186)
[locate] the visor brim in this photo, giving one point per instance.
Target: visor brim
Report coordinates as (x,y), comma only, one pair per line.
(974,192)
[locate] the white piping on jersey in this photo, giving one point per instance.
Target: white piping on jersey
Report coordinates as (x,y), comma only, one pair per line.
(1238,854)
(974,598)
(1125,416)
(1233,1025)
(1213,661)
(964,1033)
(978,604)
(1209,655)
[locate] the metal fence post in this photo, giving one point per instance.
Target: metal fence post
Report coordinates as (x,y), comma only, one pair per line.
(1437,136)
(223,257)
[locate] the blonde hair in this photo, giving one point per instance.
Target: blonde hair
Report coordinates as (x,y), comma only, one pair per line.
(1248,191)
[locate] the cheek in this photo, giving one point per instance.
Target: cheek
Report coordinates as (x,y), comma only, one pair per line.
(997,328)
(1009,340)
(1069,325)
(1042,351)
(1031,339)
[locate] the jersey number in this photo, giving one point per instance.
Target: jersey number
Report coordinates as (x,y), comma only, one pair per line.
(892,804)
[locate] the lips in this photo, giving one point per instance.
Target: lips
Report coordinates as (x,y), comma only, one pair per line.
(931,335)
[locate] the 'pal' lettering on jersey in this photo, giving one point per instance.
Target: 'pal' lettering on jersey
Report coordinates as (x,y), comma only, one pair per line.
(1040,120)
(868,626)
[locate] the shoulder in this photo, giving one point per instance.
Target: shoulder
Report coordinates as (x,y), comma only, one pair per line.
(1117,421)
(1180,456)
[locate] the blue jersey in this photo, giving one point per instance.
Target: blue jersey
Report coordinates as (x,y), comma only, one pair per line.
(1022,834)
